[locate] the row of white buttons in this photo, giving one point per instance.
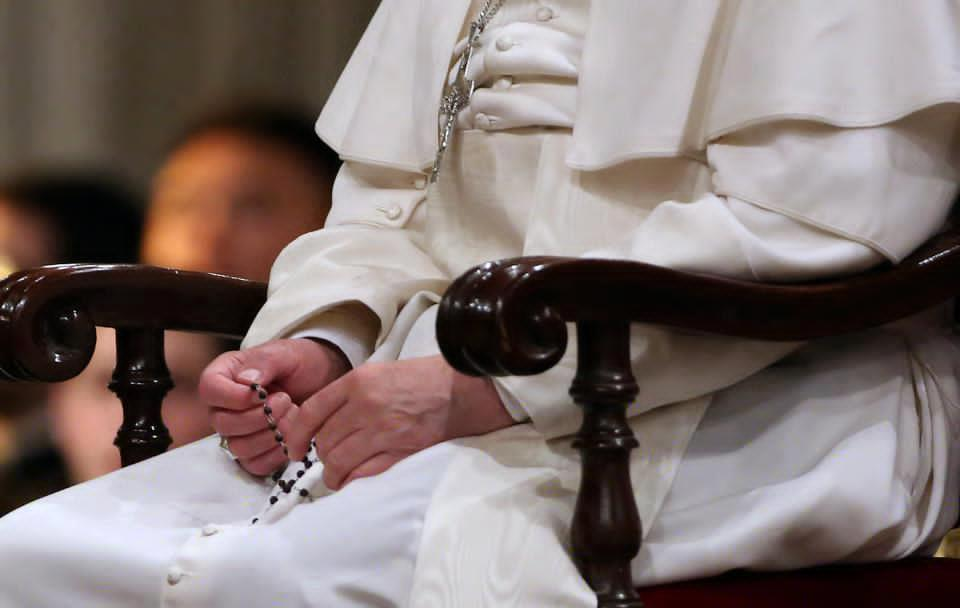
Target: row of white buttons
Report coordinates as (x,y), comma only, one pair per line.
(175,573)
(393,212)
(545,13)
(505,43)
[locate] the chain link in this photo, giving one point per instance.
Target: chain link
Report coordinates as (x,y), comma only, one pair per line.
(457,94)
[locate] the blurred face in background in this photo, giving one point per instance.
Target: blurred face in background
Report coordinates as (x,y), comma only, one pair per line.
(226,202)
(223,202)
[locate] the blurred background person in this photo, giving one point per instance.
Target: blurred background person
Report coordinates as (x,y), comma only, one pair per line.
(237,185)
(50,217)
(105,84)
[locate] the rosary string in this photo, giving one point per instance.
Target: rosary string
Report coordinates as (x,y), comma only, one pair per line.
(286,485)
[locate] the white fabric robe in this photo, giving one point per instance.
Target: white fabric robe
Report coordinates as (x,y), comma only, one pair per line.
(673,173)
(753,196)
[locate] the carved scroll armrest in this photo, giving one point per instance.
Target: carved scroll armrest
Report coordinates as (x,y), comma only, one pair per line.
(48,315)
(507,317)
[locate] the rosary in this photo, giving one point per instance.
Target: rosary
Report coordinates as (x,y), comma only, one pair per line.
(458,93)
(286,485)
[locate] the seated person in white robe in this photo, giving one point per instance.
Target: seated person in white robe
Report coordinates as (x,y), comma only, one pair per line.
(763,142)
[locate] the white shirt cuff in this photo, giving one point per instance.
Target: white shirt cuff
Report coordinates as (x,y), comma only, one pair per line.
(351,333)
(510,403)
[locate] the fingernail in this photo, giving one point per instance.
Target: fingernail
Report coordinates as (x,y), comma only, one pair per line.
(292,415)
(250,375)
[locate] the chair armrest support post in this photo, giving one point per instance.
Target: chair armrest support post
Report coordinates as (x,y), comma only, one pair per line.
(141,380)
(606,531)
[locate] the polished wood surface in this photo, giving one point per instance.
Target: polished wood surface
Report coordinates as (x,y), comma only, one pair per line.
(908,583)
(141,380)
(605,532)
(510,317)
(49,315)
(507,316)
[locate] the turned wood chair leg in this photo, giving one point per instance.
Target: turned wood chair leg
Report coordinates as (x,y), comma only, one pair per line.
(141,380)
(606,529)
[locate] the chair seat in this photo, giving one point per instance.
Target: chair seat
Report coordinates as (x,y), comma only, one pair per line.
(928,582)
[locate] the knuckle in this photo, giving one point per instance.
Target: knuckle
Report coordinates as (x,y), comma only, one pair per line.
(219,421)
(363,376)
(332,463)
(251,466)
(309,414)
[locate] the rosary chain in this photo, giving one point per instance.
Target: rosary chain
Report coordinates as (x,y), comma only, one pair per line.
(458,93)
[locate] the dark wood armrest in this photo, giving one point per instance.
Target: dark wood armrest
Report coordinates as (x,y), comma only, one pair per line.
(509,318)
(48,315)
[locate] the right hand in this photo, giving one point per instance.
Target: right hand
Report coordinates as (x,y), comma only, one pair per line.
(290,371)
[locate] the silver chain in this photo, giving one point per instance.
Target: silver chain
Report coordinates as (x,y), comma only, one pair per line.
(488,12)
(457,94)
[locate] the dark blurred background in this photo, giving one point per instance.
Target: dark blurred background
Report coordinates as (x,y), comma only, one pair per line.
(106,82)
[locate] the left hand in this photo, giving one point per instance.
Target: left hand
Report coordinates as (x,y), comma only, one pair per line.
(380,413)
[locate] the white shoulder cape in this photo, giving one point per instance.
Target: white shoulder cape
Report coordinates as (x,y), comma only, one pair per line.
(664,78)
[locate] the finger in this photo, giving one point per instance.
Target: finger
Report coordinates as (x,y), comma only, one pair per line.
(350,453)
(218,386)
(306,420)
(232,423)
(246,447)
(229,381)
(265,464)
(224,388)
(374,466)
(338,426)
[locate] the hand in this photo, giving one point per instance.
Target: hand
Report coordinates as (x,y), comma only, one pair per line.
(380,413)
(290,370)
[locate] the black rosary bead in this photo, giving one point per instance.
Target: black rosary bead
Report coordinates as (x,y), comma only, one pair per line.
(304,493)
(255,520)
(308,464)
(267,410)
(273,500)
(277,475)
(299,474)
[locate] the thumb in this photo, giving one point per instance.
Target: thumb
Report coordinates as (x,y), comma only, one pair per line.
(237,380)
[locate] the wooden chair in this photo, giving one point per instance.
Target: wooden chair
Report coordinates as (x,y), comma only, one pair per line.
(509,317)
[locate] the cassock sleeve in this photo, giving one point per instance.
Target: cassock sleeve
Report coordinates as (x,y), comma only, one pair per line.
(351,281)
(792,200)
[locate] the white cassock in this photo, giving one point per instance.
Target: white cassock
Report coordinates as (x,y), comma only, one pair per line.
(764,141)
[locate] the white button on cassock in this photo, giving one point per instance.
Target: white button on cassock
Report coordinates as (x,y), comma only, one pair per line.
(174,575)
(504,82)
(393,212)
(482,121)
(420,183)
(209,530)
(545,13)
(504,43)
